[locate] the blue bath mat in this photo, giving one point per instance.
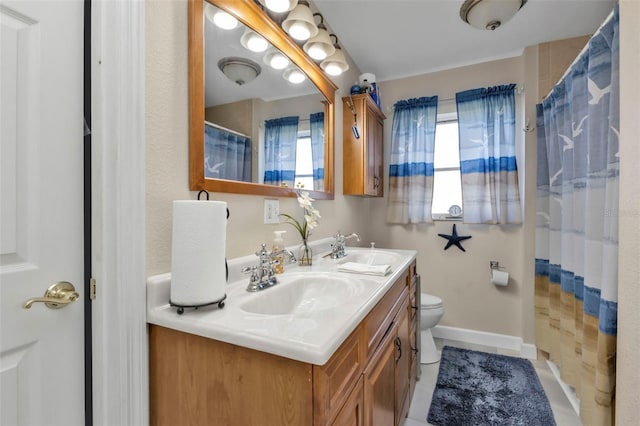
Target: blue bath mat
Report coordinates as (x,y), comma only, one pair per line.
(479,388)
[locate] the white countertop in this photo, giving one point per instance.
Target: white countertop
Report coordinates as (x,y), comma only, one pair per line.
(307,335)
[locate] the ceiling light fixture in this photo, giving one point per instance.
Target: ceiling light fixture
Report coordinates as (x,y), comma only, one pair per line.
(294,75)
(276,59)
(300,23)
(489,14)
(335,64)
(319,46)
(280,6)
(239,70)
(253,41)
(220,18)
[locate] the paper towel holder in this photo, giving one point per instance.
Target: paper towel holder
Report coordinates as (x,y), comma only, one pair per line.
(180,310)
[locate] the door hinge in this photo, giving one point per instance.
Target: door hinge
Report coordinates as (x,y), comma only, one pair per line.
(92,289)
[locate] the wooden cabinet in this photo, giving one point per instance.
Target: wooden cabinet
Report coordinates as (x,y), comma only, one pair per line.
(369,380)
(362,156)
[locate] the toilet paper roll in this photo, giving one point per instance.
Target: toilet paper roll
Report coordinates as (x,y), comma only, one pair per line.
(500,278)
(198,252)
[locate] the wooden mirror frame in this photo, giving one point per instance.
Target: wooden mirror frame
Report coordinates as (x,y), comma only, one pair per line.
(251,15)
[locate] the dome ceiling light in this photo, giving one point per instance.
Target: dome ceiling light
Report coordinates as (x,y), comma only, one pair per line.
(239,70)
(489,14)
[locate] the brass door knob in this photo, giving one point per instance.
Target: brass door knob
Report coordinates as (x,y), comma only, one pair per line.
(57,296)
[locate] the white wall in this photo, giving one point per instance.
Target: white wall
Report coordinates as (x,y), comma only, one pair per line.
(628,368)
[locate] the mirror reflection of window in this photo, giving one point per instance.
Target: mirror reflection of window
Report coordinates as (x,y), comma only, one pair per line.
(304,162)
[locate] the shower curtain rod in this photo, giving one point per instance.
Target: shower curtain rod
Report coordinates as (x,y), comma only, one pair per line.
(519,90)
(224,129)
(584,49)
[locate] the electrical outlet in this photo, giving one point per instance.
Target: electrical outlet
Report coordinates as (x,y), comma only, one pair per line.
(271,210)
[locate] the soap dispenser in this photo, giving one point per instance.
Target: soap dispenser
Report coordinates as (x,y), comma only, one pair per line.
(278,245)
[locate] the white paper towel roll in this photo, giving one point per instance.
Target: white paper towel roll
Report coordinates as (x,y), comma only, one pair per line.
(198,252)
(500,278)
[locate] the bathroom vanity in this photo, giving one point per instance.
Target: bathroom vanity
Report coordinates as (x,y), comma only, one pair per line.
(345,361)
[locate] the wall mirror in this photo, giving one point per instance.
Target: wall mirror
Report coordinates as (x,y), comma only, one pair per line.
(240,106)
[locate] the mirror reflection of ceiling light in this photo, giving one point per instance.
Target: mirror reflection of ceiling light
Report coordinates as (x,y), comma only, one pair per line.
(276,59)
(220,18)
(300,23)
(294,75)
(239,70)
(280,6)
(335,64)
(319,46)
(253,41)
(489,14)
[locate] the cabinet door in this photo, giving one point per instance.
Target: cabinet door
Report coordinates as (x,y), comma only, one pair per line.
(403,363)
(379,384)
(370,153)
(352,412)
(378,171)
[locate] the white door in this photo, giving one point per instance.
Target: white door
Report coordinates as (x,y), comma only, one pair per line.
(41,211)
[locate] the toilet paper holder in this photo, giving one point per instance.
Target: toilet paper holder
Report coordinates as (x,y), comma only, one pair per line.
(495,265)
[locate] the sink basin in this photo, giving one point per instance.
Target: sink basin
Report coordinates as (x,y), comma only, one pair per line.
(371,257)
(305,293)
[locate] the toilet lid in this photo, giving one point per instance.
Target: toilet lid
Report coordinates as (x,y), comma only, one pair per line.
(429,301)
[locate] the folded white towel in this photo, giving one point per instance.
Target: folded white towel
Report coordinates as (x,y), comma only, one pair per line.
(363,268)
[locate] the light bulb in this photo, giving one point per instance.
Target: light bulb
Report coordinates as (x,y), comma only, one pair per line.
(254,42)
(224,20)
(294,75)
(316,51)
(257,43)
(333,69)
(278,6)
(300,31)
(278,62)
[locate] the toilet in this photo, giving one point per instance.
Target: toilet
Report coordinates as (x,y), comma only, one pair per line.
(431,311)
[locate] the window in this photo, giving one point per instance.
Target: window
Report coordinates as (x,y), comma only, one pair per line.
(304,162)
(447,186)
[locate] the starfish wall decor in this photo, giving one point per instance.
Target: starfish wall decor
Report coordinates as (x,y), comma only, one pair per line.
(454,239)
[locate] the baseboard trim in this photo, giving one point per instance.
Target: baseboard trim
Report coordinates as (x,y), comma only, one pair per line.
(568,391)
(502,341)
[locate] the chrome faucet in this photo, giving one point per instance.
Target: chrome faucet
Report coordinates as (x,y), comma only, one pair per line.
(263,274)
(337,249)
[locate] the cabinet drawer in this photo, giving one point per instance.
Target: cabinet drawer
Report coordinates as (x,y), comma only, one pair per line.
(377,323)
(334,381)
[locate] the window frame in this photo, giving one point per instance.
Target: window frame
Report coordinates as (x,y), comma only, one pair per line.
(442,118)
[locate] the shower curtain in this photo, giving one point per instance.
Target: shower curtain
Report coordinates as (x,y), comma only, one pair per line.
(227,154)
(577,224)
(317,149)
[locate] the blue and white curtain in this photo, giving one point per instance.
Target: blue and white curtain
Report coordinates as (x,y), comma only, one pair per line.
(280,143)
(317,149)
(576,290)
(413,136)
(487,132)
(227,155)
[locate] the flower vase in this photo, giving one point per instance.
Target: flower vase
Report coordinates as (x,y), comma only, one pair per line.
(305,254)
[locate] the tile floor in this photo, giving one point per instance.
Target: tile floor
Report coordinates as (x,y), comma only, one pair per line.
(562,410)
